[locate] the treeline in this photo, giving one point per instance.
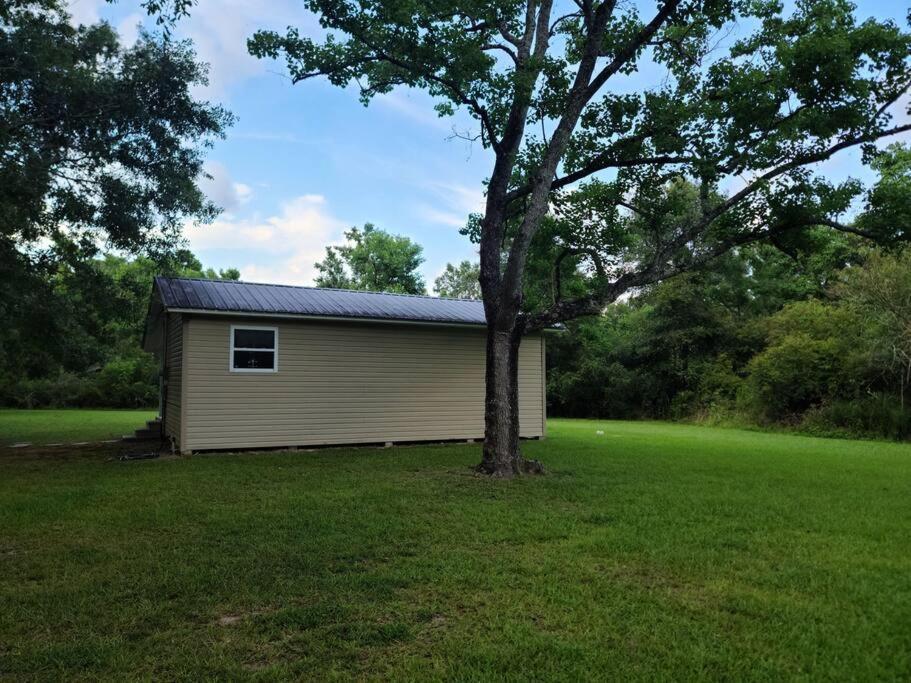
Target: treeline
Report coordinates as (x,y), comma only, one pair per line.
(817,339)
(72,331)
(813,334)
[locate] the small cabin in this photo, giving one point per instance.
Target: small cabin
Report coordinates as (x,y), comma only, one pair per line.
(247,365)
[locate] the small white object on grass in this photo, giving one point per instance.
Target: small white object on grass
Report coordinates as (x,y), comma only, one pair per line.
(600,432)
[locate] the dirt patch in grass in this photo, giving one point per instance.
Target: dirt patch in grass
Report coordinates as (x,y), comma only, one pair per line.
(106,450)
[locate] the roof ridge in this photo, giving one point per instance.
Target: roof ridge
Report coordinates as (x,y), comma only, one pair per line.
(326,289)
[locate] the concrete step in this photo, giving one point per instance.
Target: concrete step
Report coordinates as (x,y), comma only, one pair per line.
(132,438)
(151,432)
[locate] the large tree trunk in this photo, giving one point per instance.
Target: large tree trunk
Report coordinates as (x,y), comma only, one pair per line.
(502,455)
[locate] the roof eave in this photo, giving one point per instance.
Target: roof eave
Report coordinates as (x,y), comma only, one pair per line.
(329,318)
(336,318)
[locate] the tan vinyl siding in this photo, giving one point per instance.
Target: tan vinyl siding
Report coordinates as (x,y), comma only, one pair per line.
(173,375)
(543,351)
(346,383)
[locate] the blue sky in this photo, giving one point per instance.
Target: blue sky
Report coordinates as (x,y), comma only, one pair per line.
(303,163)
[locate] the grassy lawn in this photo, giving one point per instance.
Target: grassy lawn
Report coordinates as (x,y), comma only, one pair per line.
(66,426)
(651,551)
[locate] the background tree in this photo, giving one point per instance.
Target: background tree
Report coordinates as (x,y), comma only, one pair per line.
(826,354)
(333,272)
(541,79)
(814,353)
(222,274)
(373,260)
(72,333)
(459,281)
(101,147)
(881,296)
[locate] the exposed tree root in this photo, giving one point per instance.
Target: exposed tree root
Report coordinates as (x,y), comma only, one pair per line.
(510,469)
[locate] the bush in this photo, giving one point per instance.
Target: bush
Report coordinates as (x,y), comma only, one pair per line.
(715,386)
(789,378)
(815,354)
(64,389)
(878,416)
(130,382)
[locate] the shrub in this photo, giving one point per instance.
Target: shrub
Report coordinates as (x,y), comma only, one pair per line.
(715,386)
(881,415)
(815,354)
(790,377)
(63,390)
(130,382)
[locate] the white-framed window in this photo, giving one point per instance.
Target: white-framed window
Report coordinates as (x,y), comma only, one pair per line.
(253,349)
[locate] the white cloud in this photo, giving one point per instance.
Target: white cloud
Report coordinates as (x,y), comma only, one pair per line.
(128,29)
(468,198)
(435,215)
(282,248)
(456,201)
(417,108)
(84,11)
(222,189)
(243,192)
(220,29)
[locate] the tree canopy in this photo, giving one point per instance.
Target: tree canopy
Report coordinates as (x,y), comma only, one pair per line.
(99,144)
(373,260)
(460,281)
(793,91)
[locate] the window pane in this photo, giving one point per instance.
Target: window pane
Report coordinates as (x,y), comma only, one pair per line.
(254,360)
(254,339)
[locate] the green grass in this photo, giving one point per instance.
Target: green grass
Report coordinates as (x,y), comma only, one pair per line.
(66,426)
(651,551)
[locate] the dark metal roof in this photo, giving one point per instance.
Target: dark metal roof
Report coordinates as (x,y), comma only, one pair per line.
(250,297)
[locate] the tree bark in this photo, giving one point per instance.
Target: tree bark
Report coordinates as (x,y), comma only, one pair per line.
(502,455)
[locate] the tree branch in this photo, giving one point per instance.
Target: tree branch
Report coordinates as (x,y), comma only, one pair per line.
(841,227)
(630,50)
(458,94)
(505,48)
(661,268)
(576,101)
(559,20)
(575,251)
(602,162)
(606,160)
(797,162)
(633,208)
(508,35)
(493,229)
(586,8)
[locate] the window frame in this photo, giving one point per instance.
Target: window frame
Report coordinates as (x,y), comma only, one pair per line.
(232,349)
